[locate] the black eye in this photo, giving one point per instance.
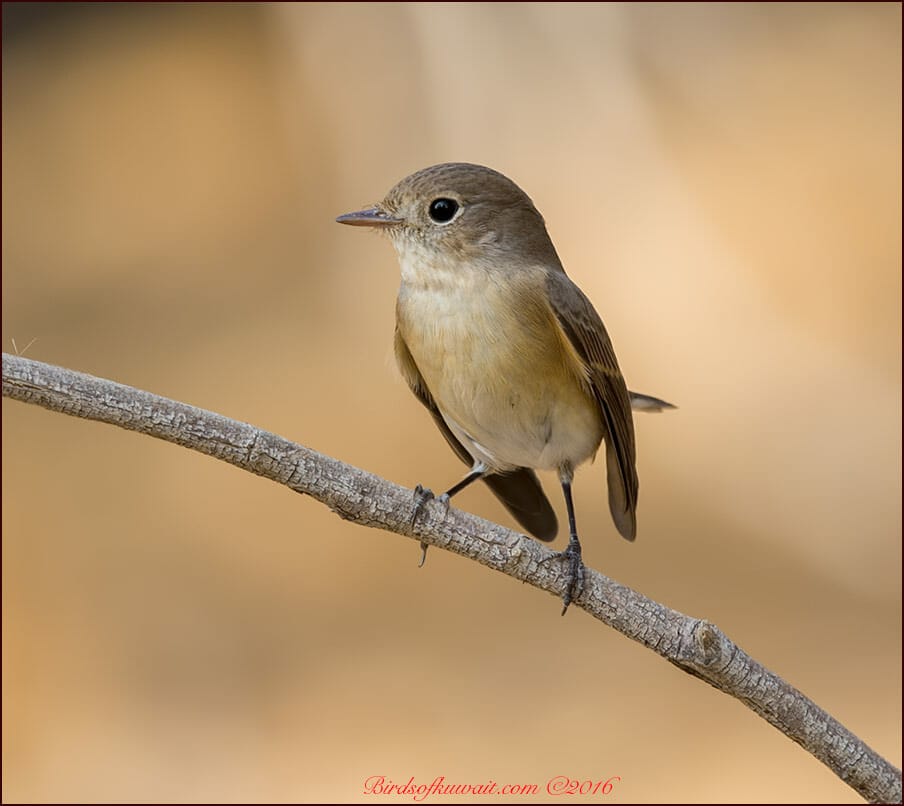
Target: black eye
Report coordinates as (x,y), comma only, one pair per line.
(443,210)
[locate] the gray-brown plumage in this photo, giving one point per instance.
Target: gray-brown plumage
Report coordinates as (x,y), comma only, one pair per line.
(503,349)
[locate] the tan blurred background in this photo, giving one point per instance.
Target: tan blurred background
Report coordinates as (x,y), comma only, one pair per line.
(724,181)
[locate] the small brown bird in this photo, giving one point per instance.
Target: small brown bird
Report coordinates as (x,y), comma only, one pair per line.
(503,349)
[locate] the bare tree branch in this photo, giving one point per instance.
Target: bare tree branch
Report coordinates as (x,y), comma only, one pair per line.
(694,645)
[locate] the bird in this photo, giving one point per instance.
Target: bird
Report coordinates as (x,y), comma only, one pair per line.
(504,350)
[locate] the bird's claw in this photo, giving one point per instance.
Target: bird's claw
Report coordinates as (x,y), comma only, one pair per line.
(421,496)
(574,579)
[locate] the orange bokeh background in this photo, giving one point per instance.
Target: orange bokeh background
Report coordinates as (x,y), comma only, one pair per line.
(723,181)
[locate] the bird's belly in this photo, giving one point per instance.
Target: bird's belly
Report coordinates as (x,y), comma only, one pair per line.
(502,381)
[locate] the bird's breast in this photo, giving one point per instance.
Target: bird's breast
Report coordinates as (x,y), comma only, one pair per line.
(492,357)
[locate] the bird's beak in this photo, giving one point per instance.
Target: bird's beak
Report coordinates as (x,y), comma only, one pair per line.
(371,217)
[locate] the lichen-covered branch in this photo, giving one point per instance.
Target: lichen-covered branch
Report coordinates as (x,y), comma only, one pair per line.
(694,645)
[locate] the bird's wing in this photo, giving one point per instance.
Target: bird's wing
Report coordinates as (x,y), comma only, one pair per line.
(586,336)
(519,490)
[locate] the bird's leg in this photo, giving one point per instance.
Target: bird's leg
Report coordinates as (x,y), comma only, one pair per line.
(572,554)
(423,494)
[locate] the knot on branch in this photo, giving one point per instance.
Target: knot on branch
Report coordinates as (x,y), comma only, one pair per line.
(713,649)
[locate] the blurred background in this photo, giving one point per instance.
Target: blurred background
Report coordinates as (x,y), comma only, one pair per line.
(723,181)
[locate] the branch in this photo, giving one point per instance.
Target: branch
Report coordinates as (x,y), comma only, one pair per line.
(694,645)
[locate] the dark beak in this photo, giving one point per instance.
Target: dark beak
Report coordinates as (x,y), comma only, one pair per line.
(371,217)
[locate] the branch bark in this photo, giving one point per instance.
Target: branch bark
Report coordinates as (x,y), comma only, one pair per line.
(694,645)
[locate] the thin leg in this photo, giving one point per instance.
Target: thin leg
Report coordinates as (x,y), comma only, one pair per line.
(572,554)
(477,472)
(422,495)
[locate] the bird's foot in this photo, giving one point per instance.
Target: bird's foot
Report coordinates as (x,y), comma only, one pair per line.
(574,579)
(422,495)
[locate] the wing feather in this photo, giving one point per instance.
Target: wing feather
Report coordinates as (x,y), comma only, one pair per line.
(587,335)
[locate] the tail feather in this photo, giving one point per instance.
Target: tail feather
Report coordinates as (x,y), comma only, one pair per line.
(641,402)
(619,501)
(521,494)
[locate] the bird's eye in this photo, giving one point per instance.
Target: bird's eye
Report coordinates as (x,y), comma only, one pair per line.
(442,211)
